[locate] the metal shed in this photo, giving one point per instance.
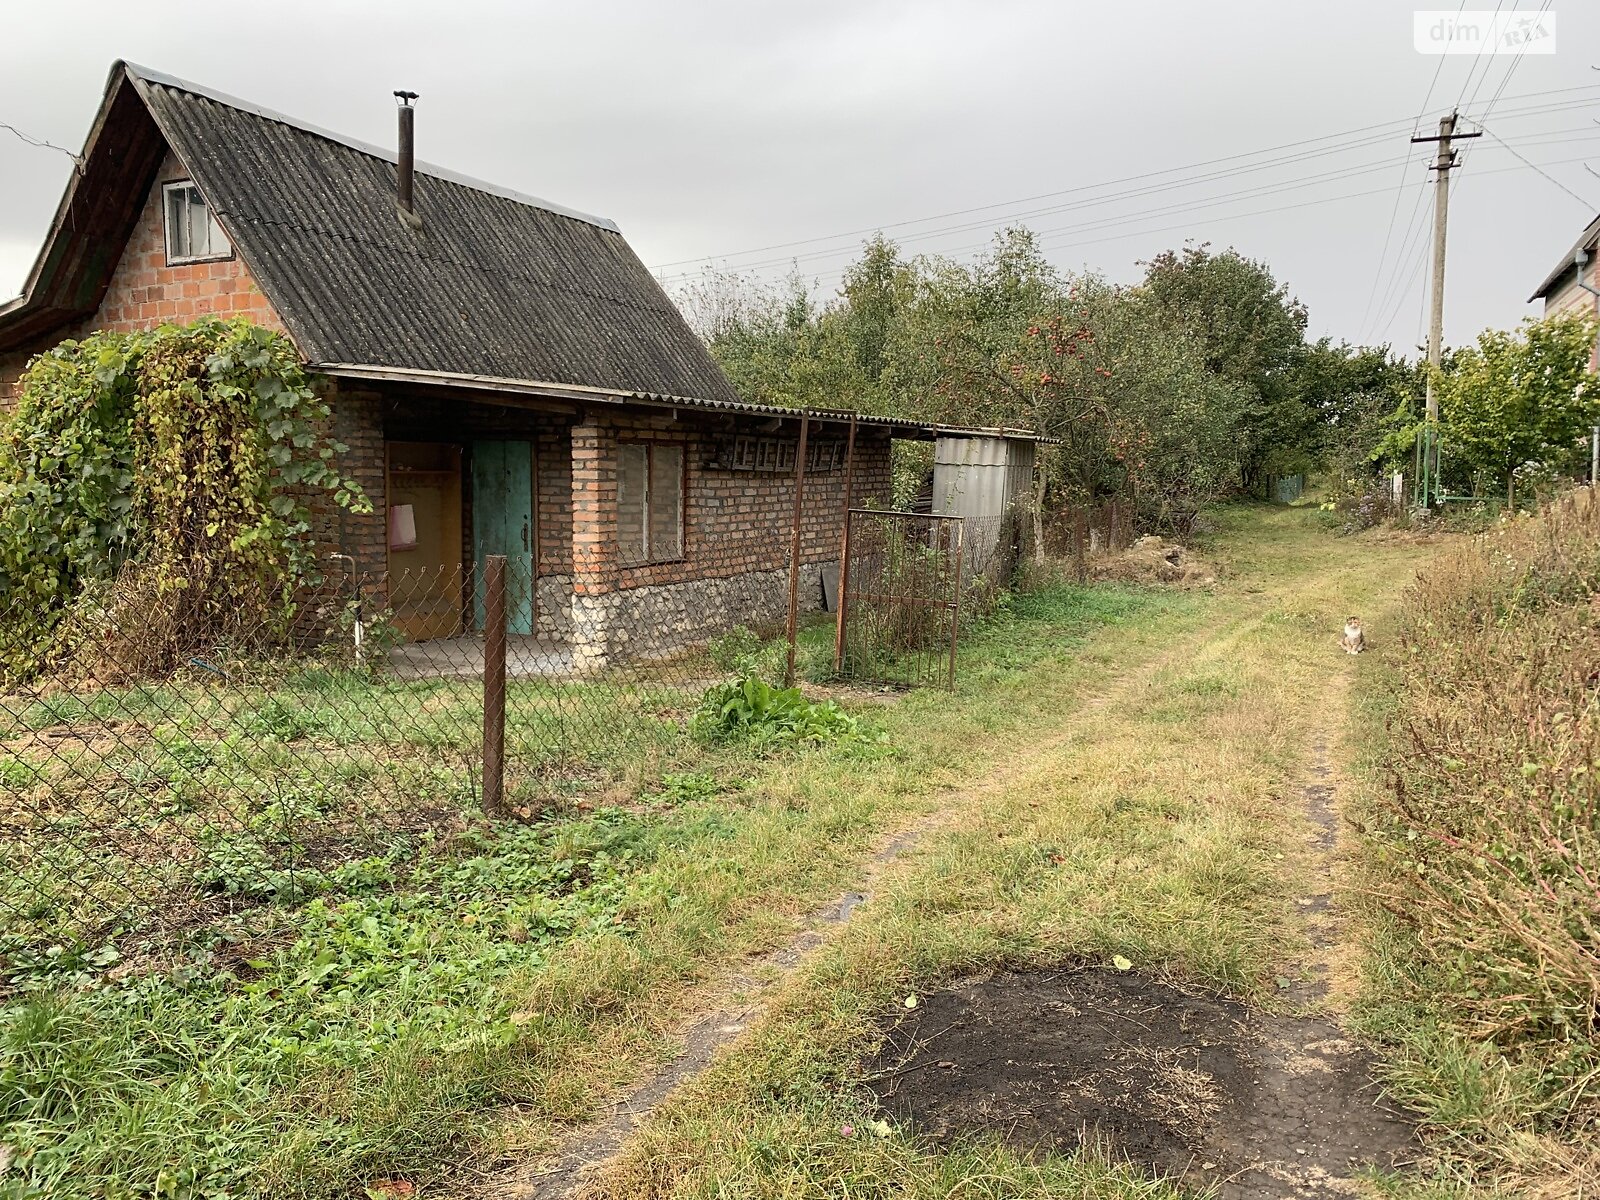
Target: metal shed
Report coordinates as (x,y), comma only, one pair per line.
(981,479)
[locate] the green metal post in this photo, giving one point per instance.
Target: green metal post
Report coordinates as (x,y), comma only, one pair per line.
(1427,458)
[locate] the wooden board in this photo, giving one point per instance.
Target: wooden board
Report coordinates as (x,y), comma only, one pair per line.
(502,523)
(425,582)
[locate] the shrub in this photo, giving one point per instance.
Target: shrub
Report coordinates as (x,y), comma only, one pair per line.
(1518,404)
(183,455)
(743,651)
(1364,507)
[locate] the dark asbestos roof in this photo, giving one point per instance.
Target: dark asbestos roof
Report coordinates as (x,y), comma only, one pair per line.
(1586,241)
(492,284)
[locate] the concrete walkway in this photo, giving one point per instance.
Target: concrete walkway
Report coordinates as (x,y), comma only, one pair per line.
(462,658)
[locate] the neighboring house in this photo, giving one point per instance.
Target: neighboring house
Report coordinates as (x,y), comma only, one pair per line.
(1562,289)
(506,373)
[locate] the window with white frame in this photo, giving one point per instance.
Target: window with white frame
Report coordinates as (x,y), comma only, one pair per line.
(649,502)
(193,234)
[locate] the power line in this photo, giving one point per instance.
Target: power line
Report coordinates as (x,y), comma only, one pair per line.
(1402,253)
(968,227)
(1434,82)
(1250,213)
(1088,187)
(1415,273)
(1422,301)
(1090,226)
(1411,271)
(1516,61)
(1388,234)
(1511,68)
(1352,140)
(1389,125)
(1479,55)
(1542,110)
(924,236)
(1491,134)
(1399,191)
(1419,258)
(44,145)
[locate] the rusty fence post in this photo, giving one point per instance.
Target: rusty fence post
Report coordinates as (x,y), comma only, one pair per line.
(955,606)
(494,683)
(840,617)
(844,550)
(794,548)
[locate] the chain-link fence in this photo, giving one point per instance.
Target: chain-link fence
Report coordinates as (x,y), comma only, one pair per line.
(184,744)
(167,759)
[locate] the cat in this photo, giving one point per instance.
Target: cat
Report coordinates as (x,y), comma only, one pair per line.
(1353,641)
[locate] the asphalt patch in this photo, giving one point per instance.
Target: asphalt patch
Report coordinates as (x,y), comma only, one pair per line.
(1197,1088)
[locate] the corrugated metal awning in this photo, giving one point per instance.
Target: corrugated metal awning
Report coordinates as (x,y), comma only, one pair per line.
(487,388)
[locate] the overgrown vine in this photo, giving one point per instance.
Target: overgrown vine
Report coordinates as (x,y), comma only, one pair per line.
(185,456)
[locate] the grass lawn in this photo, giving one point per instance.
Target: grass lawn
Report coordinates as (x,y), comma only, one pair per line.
(382,1021)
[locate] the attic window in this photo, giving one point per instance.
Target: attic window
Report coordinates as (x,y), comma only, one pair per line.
(193,234)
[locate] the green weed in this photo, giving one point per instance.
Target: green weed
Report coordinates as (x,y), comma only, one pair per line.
(753,711)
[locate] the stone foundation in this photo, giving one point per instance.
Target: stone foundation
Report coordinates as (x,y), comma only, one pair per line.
(644,623)
(552,605)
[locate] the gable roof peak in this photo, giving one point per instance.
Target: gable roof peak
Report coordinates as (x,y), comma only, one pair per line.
(1588,241)
(494,285)
(141,77)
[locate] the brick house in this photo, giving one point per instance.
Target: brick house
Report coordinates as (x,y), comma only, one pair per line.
(1564,290)
(506,373)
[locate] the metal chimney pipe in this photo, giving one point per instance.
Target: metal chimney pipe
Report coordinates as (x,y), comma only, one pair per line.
(408,153)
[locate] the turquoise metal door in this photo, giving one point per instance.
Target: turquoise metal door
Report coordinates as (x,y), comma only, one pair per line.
(502,523)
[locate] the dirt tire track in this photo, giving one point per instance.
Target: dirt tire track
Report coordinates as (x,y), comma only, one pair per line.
(705,1030)
(1274,1104)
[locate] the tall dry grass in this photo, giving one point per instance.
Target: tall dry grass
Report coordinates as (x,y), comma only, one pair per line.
(1494,848)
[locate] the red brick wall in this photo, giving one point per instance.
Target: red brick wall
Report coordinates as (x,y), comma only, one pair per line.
(145,292)
(12,364)
(593,506)
(552,449)
(357,425)
(736,522)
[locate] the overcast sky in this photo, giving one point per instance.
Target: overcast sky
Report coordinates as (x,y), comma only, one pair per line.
(713,130)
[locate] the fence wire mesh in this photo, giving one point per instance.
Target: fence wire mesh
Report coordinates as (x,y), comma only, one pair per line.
(902,583)
(166,761)
(1073,533)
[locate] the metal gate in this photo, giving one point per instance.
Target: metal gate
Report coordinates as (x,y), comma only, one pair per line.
(899,598)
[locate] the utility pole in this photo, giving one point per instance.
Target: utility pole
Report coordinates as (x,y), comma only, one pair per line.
(1441,214)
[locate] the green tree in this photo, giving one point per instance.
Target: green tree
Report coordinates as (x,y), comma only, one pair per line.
(1521,401)
(1366,401)
(1172,391)
(1250,330)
